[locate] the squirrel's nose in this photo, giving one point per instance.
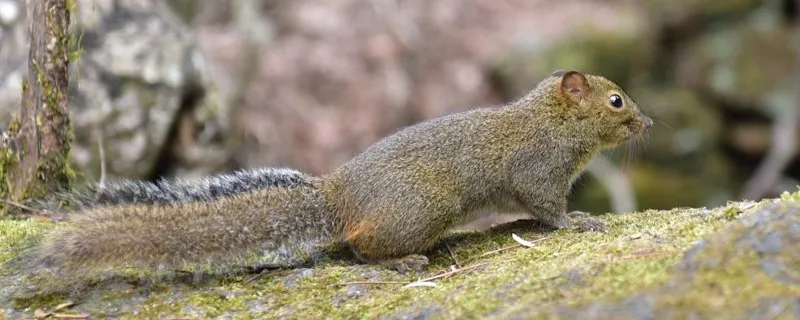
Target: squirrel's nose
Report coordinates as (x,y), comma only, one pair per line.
(648,123)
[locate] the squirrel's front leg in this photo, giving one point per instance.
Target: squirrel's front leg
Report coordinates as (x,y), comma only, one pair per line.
(554,214)
(543,193)
(540,183)
(548,210)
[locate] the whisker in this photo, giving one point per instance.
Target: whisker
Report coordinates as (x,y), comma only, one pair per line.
(661,123)
(643,143)
(626,160)
(632,155)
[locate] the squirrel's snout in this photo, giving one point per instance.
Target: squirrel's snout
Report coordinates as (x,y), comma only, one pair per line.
(647,123)
(644,123)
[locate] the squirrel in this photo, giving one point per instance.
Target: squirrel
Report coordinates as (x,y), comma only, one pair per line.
(389,204)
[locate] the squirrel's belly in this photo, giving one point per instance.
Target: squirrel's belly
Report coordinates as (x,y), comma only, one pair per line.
(499,206)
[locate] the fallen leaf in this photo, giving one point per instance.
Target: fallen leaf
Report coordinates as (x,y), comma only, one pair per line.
(421,284)
(39,314)
(522,242)
(747,205)
(63,305)
(71,315)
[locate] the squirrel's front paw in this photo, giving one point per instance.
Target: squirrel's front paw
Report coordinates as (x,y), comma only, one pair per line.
(415,262)
(591,224)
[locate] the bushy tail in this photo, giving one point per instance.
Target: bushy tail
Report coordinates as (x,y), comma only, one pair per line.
(221,232)
(173,191)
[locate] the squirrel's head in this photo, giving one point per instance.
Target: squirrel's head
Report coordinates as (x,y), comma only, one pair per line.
(601,106)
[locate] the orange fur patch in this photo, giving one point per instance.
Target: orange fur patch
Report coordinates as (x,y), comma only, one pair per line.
(354,230)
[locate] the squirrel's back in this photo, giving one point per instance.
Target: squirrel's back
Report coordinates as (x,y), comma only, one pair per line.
(461,136)
(467,143)
(463,154)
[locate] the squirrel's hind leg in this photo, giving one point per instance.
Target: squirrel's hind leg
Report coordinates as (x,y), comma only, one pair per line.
(378,244)
(396,236)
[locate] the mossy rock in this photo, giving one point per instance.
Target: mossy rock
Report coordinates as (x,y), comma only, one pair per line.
(725,262)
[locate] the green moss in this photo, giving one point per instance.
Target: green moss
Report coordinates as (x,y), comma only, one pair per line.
(38,302)
(791,197)
(72,5)
(215,304)
(726,292)
(8,159)
(74,42)
(706,290)
(732,213)
(157,306)
(13,233)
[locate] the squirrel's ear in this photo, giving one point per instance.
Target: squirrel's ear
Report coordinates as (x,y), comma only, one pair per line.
(574,85)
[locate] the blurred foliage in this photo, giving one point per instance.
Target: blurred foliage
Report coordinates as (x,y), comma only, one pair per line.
(713,74)
(618,57)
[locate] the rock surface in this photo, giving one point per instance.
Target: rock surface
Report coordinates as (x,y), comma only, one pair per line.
(739,261)
(140,81)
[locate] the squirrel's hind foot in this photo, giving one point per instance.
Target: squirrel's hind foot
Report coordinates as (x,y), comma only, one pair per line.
(411,262)
(592,225)
(586,223)
(415,262)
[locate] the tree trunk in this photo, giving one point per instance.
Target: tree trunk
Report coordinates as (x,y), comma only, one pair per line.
(36,148)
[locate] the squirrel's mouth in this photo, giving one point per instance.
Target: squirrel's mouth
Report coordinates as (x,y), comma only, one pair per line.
(640,126)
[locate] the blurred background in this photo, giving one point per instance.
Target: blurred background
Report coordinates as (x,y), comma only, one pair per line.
(183,88)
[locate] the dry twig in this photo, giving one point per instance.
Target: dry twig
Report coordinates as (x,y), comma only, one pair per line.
(516,245)
(452,272)
(39,314)
(452,255)
(102,150)
(19,205)
(366,282)
(71,316)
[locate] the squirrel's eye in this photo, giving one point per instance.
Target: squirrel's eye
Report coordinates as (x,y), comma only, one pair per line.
(615,101)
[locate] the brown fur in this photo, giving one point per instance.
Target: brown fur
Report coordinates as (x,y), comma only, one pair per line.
(389,203)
